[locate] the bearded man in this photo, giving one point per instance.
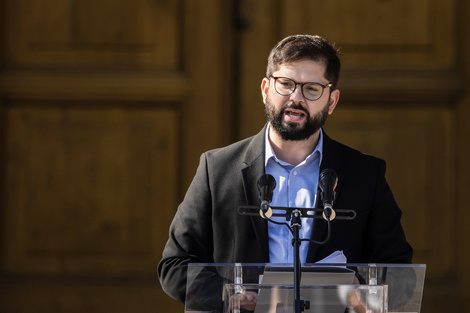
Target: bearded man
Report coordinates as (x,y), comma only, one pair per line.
(299,93)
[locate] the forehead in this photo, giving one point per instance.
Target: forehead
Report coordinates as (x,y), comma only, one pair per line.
(303,71)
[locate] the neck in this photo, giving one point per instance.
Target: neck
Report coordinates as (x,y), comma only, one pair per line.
(292,152)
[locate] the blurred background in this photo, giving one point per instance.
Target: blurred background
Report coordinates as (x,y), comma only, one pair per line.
(106,105)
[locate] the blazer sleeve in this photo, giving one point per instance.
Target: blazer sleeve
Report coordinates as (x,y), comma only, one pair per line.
(190,236)
(386,238)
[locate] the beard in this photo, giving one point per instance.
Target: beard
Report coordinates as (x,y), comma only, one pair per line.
(291,131)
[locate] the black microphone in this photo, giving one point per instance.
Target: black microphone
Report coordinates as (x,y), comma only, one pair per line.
(327,184)
(266,185)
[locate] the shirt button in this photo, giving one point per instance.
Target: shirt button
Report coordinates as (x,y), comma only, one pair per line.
(295,173)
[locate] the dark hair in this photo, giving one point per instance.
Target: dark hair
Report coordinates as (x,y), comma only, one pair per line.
(312,47)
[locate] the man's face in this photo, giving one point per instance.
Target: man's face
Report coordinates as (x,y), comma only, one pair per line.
(294,117)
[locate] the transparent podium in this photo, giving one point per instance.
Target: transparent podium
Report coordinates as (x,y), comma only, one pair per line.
(325,288)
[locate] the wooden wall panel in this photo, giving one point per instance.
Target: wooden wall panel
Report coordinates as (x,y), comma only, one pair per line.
(85,188)
(380,34)
(463,173)
(95,34)
(90,295)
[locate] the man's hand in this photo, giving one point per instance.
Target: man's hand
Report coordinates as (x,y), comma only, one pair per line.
(247,301)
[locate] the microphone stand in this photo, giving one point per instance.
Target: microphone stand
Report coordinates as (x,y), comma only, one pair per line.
(299,305)
(296,225)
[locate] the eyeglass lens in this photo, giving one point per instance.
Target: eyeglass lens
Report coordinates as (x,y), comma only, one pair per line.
(285,86)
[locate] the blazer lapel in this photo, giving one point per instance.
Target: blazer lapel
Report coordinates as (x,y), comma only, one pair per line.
(254,168)
(330,159)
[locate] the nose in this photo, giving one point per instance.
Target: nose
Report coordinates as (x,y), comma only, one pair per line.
(297,96)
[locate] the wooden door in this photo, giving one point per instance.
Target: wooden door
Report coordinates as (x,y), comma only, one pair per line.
(106,106)
(401,100)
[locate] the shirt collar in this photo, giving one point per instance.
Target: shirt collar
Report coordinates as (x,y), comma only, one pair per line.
(269,152)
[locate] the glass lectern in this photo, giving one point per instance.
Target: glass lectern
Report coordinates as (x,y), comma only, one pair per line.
(324,288)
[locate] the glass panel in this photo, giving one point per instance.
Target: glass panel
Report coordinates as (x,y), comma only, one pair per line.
(327,287)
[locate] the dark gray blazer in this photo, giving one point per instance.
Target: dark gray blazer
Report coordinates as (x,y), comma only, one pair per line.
(207,227)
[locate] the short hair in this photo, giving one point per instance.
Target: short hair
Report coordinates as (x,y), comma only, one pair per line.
(312,47)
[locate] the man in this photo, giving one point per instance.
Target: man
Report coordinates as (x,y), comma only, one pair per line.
(299,92)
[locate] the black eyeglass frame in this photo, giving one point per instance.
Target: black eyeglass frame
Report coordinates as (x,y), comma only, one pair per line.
(301,87)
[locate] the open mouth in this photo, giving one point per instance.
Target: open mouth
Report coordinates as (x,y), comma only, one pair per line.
(294,115)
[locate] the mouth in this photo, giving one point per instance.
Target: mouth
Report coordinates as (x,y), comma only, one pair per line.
(294,115)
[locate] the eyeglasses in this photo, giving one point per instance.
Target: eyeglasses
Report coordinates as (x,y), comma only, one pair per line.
(286,86)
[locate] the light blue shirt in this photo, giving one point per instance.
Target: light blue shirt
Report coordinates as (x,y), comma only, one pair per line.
(296,187)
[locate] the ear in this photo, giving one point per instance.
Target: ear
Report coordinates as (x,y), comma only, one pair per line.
(334,98)
(264,88)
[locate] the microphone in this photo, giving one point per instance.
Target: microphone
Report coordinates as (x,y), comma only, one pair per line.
(266,185)
(327,182)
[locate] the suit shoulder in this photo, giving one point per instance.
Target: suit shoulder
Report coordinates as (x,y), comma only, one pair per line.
(234,152)
(358,157)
